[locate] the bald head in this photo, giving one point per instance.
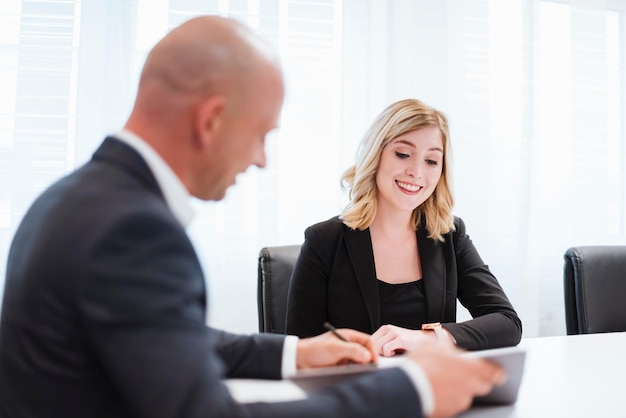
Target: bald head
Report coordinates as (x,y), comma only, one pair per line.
(209,92)
(205,55)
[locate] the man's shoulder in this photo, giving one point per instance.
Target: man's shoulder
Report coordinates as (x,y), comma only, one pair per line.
(95,198)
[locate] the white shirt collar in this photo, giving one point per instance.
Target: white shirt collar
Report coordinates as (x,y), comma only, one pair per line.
(176,195)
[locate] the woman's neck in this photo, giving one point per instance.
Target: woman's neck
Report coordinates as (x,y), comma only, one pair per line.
(392,223)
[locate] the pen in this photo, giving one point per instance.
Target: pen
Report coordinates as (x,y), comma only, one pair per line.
(332,329)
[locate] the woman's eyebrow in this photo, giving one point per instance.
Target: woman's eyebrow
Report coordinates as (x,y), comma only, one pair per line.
(412,145)
(405,142)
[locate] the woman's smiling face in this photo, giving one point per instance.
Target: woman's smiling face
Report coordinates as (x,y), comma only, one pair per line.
(409,170)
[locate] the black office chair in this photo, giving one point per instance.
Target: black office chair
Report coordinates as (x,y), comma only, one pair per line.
(274,274)
(595,289)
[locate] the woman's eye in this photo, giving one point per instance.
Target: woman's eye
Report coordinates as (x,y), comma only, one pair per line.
(432,162)
(402,155)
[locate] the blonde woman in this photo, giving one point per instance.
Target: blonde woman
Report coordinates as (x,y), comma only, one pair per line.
(396,260)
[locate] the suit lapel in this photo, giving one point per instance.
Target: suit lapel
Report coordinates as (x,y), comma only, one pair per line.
(359,245)
(433,274)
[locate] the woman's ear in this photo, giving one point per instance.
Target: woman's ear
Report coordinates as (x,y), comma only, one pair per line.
(208,119)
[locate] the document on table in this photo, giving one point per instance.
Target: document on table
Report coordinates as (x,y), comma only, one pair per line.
(512,359)
(296,386)
(259,390)
(313,379)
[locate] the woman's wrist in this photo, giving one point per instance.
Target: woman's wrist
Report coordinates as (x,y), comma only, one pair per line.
(436,330)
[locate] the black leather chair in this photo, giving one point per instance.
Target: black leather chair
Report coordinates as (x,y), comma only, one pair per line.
(595,289)
(274,274)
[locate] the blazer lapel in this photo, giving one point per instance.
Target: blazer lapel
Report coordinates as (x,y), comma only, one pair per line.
(433,274)
(359,245)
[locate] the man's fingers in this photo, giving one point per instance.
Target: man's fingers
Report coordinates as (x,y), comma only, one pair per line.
(488,375)
(361,341)
(493,373)
(357,353)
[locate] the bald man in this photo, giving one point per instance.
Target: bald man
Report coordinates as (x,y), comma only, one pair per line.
(104,305)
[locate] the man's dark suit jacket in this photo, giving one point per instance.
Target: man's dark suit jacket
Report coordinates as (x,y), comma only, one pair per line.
(335,280)
(104,311)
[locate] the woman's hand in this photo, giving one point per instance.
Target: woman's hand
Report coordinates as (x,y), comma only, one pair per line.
(329,350)
(390,340)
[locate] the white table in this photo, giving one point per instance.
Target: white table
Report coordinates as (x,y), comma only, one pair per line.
(567,376)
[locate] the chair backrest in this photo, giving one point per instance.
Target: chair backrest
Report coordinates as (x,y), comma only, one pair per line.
(595,289)
(274,274)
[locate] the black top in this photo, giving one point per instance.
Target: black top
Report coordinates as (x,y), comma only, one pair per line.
(402,304)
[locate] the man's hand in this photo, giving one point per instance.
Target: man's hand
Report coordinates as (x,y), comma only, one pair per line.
(329,350)
(455,380)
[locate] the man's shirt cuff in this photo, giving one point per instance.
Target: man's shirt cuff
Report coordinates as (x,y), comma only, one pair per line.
(290,348)
(422,385)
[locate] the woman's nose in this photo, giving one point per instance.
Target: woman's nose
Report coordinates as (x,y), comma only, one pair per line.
(414,170)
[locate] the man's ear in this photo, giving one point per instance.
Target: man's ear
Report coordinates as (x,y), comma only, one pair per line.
(209,114)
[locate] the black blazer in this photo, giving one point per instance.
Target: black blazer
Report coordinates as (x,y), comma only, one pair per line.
(104,314)
(335,280)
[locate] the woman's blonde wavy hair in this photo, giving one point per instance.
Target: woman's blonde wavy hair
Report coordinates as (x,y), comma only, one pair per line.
(360,180)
